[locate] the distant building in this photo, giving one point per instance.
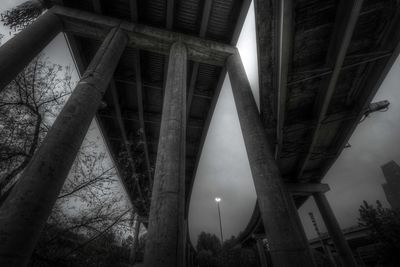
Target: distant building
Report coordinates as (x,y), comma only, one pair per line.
(391,170)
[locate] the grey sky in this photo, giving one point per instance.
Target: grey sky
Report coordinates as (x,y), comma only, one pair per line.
(224,170)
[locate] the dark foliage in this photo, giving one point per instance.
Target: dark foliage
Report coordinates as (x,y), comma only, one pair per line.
(22,15)
(384,226)
(104,251)
(208,242)
(210,253)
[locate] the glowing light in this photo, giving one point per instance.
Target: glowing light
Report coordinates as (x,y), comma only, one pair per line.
(217,199)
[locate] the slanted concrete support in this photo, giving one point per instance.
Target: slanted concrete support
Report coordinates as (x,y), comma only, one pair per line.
(334,230)
(25,211)
(166,231)
(282,225)
(20,50)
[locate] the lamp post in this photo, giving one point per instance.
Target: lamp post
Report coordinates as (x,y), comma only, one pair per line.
(218,199)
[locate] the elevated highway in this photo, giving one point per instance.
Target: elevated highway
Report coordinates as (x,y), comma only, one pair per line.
(151,72)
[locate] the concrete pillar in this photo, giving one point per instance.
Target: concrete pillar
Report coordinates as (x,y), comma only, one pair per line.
(135,245)
(288,245)
(261,252)
(20,50)
(25,211)
(334,230)
(165,237)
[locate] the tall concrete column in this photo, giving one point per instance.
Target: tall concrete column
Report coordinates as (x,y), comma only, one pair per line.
(166,230)
(334,230)
(20,50)
(288,245)
(25,211)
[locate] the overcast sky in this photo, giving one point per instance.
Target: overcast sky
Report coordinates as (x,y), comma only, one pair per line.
(224,170)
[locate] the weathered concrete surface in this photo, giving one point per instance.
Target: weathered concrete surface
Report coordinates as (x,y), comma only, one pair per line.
(25,211)
(21,49)
(143,37)
(281,222)
(166,231)
(267,22)
(346,256)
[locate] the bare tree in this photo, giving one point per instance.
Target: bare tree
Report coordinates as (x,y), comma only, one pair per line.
(90,214)
(22,15)
(28,106)
(89,208)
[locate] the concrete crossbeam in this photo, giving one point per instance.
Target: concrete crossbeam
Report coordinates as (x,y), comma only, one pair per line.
(306,189)
(148,38)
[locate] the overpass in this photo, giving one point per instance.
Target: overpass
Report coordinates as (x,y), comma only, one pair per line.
(151,72)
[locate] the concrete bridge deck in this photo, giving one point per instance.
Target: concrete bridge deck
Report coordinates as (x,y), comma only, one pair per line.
(158,66)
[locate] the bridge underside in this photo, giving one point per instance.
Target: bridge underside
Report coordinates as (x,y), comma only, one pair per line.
(131,119)
(321,63)
(158,67)
(334,56)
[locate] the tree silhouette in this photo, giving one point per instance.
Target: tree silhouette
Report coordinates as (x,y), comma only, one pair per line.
(384,231)
(22,15)
(28,107)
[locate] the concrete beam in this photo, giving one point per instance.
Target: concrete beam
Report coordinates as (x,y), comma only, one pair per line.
(346,19)
(267,32)
(25,212)
(151,118)
(203,29)
(286,9)
(306,189)
(23,47)
(170,14)
(151,39)
(133,10)
(139,94)
(374,77)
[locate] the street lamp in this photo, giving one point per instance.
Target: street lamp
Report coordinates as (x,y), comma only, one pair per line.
(218,199)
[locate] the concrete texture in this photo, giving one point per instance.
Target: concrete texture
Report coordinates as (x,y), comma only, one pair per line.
(166,231)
